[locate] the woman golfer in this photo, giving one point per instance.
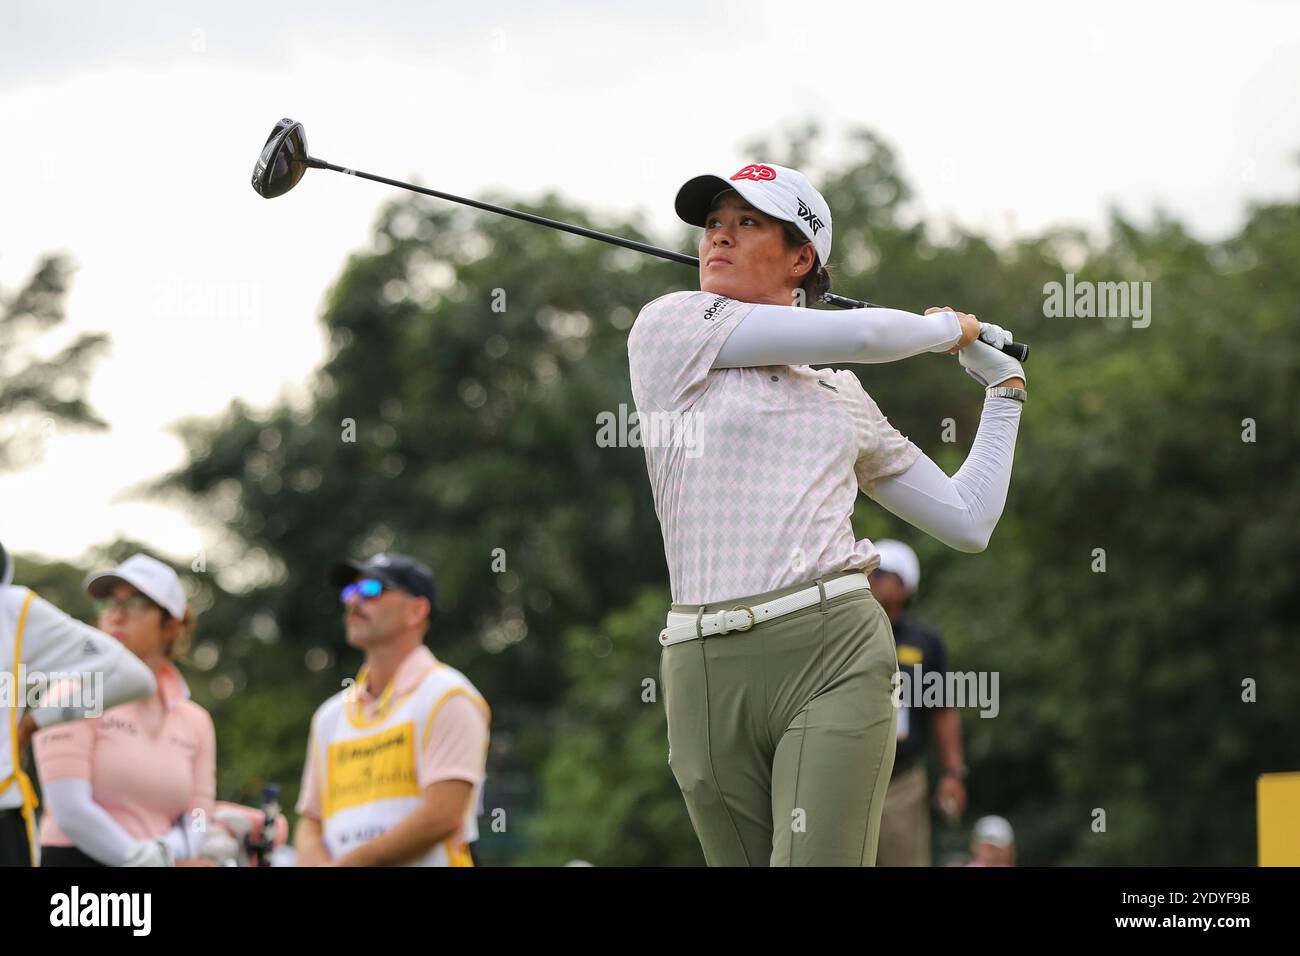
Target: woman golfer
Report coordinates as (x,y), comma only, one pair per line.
(84,670)
(134,787)
(777,661)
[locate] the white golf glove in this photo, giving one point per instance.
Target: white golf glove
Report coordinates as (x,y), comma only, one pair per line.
(986,363)
(223,849)
(228,846)
(154,852)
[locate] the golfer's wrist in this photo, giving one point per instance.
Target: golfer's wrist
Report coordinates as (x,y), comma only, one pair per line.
(1015,382)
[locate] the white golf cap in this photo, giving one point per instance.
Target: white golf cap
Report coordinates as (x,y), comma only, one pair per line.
(995,830)
(780,192)
(149,576)
(901,560)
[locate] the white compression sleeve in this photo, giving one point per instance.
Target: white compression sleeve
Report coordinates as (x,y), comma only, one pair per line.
(784,335)
(86,823)
(963,510)
(57,642)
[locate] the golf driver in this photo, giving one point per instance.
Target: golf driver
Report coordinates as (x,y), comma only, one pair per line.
(284,160)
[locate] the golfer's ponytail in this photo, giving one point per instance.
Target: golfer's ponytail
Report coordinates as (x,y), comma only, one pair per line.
(817,282)
(181,646)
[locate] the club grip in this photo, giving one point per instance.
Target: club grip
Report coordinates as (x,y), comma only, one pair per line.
(1017,350)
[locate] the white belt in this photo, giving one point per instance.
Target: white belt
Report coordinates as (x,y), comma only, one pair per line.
(682,626)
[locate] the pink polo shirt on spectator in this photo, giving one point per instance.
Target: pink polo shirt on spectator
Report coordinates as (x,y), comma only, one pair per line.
(149,762)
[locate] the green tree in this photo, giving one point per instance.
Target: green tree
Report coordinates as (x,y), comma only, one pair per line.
(38,394)
(610,797)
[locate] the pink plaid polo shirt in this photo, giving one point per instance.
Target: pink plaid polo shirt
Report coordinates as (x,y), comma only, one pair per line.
(755,471)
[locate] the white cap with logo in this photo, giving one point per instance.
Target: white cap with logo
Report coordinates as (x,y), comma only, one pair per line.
(901,560)
(155,580)
(780,192)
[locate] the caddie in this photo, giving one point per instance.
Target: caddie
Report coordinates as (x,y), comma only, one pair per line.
(396,762)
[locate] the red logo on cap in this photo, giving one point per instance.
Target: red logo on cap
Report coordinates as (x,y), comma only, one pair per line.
(756,171)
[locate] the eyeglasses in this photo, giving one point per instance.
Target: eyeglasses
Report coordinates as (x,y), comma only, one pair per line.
(366,589)
(135,604)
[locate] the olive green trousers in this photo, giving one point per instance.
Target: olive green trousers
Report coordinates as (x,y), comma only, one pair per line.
(782,737)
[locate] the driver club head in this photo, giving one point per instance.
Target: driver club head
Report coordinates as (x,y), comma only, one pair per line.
(283,160)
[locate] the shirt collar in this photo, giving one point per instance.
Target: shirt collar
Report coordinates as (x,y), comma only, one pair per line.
(415,665)
(171,686)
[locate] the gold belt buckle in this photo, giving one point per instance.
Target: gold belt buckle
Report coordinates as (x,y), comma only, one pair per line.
(753,618)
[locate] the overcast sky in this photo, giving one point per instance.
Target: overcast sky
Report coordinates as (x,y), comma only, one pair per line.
(130,131)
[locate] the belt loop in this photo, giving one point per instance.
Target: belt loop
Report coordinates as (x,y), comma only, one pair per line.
(821,589)
(699,618)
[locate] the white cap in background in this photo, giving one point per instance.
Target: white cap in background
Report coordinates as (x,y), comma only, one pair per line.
(901,560)
(995,830)
(155,580)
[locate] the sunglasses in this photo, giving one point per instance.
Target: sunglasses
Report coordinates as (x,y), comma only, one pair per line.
(366,589)
(135,604)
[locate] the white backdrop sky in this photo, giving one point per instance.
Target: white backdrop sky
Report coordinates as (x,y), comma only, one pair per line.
(130,130)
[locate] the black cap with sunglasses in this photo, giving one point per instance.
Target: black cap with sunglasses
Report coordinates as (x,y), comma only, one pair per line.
(392,569)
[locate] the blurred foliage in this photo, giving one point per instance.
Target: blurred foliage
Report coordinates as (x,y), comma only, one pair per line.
(39,393)
(610,798)
(469,357)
